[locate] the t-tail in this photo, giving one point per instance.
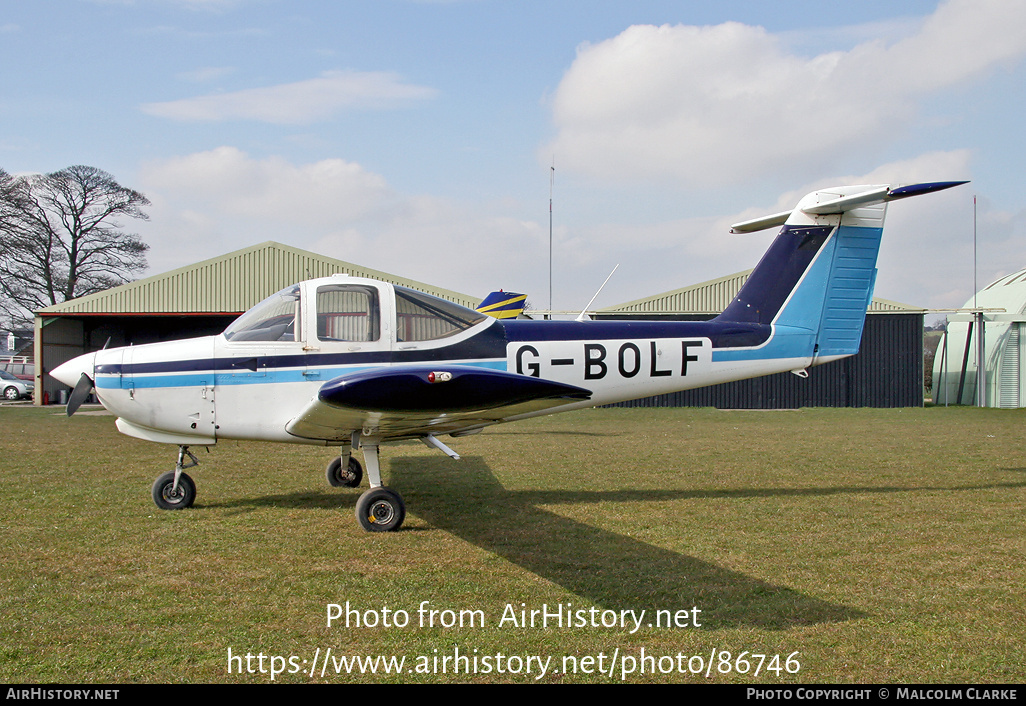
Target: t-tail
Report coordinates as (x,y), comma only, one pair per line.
(503,305)
(815,282)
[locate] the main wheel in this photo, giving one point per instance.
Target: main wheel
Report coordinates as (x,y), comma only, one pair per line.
(11,393)
(350,478)
(179,499)
(380,510)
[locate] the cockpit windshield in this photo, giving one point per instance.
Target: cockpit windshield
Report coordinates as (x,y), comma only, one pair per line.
(274,319)
(423,317)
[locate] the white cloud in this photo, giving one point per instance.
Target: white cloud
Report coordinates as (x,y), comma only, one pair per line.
(210,203)
(660,257)
(299,103)
(721,104)
(228,181)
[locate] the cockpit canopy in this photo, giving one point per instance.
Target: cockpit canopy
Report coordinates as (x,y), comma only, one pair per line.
(273,319)
(350,311)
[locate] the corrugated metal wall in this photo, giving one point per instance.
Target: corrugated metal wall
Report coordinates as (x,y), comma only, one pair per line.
(231,283)
(887,372)
(707,297)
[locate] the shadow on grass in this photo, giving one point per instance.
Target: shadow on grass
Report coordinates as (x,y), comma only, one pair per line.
(607,569)
(307,500)
(557,432)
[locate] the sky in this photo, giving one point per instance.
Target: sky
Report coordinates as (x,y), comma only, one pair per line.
(425,138)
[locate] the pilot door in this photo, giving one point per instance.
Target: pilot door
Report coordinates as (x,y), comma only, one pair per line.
(261,361)
(349,327)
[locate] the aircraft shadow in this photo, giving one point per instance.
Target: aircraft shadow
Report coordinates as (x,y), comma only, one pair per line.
(550,432)
(307,500)
(604,568)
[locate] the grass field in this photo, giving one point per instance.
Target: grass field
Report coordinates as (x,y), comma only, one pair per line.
(878,545)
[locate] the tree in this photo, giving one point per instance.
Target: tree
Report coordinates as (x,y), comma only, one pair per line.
(61,237)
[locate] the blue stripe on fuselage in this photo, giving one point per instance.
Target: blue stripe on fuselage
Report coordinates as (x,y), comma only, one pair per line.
(264,376)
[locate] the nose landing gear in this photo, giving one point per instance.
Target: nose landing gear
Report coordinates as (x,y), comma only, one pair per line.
(175,490)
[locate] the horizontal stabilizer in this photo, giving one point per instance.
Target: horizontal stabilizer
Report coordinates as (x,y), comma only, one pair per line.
(869,196)
(756,224)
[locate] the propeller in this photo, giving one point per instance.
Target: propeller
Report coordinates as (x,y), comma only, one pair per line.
(82,389)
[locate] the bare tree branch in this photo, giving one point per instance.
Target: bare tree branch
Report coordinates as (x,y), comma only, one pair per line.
(61,237)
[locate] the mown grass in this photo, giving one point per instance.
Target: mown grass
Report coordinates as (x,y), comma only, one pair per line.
(882,545)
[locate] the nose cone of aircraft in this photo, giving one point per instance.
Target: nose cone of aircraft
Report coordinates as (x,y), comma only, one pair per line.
(69,373)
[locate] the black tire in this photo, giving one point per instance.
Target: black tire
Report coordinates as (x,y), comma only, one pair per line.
(380,510)
(349,479)
(183,498)
(11,393)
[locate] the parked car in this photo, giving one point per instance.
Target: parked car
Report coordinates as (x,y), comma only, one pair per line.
(20,366)
(15,389)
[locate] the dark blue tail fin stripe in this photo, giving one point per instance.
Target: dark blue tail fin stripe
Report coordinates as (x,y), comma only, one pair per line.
(775,277)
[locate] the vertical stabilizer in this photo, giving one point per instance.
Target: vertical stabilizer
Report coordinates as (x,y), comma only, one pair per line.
(816,281)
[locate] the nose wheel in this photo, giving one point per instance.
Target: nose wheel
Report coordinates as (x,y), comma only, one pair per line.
(168,496)
(175,490)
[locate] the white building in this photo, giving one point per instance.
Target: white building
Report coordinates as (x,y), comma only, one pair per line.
(955,367)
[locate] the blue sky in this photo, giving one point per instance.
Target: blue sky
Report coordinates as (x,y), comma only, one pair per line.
(417,137)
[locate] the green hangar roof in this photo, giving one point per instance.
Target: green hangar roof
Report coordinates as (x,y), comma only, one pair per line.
(713,296)
(231,283)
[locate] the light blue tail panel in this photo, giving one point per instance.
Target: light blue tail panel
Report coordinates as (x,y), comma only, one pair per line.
(849,290)
(824,313)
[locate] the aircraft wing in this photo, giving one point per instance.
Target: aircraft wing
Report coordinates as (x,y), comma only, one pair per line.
(413,401)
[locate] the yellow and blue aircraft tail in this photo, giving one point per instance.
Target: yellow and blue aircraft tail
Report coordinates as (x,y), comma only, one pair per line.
(503,305)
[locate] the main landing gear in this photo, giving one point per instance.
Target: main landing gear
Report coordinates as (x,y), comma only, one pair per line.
(379,509)
(344,471)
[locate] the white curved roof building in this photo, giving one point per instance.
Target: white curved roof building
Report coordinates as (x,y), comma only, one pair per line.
(955,367)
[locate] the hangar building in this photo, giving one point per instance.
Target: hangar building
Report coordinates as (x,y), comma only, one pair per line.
(887,372)
(955,367)
(197,300)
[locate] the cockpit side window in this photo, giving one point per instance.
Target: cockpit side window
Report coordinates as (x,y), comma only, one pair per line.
(423,317)
(273,319)
(348,313)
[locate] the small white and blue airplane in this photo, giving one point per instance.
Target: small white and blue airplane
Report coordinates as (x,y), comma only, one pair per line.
(356,363)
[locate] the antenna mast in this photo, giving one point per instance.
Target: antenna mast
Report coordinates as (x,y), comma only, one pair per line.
(552,181)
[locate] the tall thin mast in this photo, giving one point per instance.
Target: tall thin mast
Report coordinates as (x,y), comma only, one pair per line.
(552,181)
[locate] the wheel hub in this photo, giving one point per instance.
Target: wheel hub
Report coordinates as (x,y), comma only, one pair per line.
(172,495)
(381,512)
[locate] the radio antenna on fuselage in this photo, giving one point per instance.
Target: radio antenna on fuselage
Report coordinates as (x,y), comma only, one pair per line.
(580,317)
